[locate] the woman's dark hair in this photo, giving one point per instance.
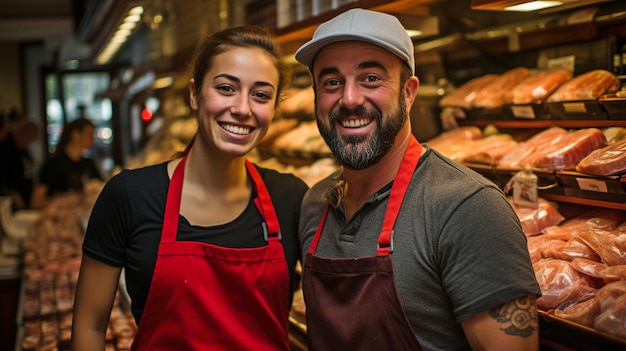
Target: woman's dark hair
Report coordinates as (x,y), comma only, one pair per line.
(246,36)
(76,125)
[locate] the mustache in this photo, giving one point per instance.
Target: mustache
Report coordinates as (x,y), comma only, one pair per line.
(358,112)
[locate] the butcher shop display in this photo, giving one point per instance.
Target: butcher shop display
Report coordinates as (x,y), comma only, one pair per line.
(587,86)
(606,161)
(538,86)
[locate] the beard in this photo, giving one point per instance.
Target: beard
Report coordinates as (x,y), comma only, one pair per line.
(360,152)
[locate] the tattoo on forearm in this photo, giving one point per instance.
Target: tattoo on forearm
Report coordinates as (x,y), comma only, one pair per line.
(517,317)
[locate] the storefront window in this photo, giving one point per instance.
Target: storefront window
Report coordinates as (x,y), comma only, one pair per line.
(73,95)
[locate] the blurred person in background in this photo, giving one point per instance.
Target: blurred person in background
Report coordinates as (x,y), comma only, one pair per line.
(17,177)
(67,170)
(208,241)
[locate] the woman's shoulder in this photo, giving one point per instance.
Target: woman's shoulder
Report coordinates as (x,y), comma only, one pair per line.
(140,178)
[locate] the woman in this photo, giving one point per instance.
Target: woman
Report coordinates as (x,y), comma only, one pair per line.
(67,169)
(208,256)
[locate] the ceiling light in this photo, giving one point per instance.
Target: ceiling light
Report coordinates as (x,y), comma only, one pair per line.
(121,35)
(533,6)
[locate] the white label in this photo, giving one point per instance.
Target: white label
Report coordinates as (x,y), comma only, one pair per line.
(525,192)
(523,112)
(562,62)
(592,185)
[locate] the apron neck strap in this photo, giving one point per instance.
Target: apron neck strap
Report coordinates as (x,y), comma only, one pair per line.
(172,204)
(398,189)
(263,203)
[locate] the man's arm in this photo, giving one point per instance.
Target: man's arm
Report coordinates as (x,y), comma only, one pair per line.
(511,326)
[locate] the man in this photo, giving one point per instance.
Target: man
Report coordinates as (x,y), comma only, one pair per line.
(404,249)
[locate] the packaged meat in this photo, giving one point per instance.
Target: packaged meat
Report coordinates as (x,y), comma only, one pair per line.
(535,220)
(516,158)
(583,310)
(599,218)
(609,244)
(493,95)
(560,282)
(587,86)
(606,161)
(568,151)
(489,150)
(464,95)
(538,86)
(453,143)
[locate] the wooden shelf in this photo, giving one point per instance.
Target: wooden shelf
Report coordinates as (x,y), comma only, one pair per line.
(542,124)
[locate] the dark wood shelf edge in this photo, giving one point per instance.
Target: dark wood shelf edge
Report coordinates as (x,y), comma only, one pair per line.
(542,124)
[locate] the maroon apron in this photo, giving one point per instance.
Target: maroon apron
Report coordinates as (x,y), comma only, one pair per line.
(353,303)
(206,297)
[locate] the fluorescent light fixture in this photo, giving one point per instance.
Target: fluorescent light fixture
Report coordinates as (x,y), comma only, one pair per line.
(533,6)
(414,33)
(123,31)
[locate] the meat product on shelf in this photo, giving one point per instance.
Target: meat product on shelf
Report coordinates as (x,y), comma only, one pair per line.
(609,244)
(464,95)
(613,319)
(493,95)
(489,150)
(516,157)
(454,141)
(538,86)
(570,250)
(535,220)
(606,161)
(603,309)
(598,218)
(587,86)
(568,151)
(589,267)
(560,282)
(535,244)
(583,310)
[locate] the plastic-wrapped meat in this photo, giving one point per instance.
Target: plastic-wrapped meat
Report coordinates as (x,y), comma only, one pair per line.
(574,249)
(453,143)
(612,320)
(609,244)
(587,86)
(464,95)
(583,310)
(493,95)
(598,218)
(568,151)
(516,157)
(606,161)
(538,86)
(560,282)
(489,150)
(535,220)
(589,267)
(535,243)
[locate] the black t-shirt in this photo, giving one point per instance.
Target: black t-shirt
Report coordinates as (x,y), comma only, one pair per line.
(62,174)
(125,225)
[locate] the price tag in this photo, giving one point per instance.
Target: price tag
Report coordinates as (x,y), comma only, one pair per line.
(592,185)
(526,112)
(574,107)
(563,62)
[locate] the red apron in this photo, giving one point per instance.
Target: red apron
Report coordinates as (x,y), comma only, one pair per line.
(353,303)
(207,297)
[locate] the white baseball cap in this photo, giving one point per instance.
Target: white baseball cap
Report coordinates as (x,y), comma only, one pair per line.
(374,27)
